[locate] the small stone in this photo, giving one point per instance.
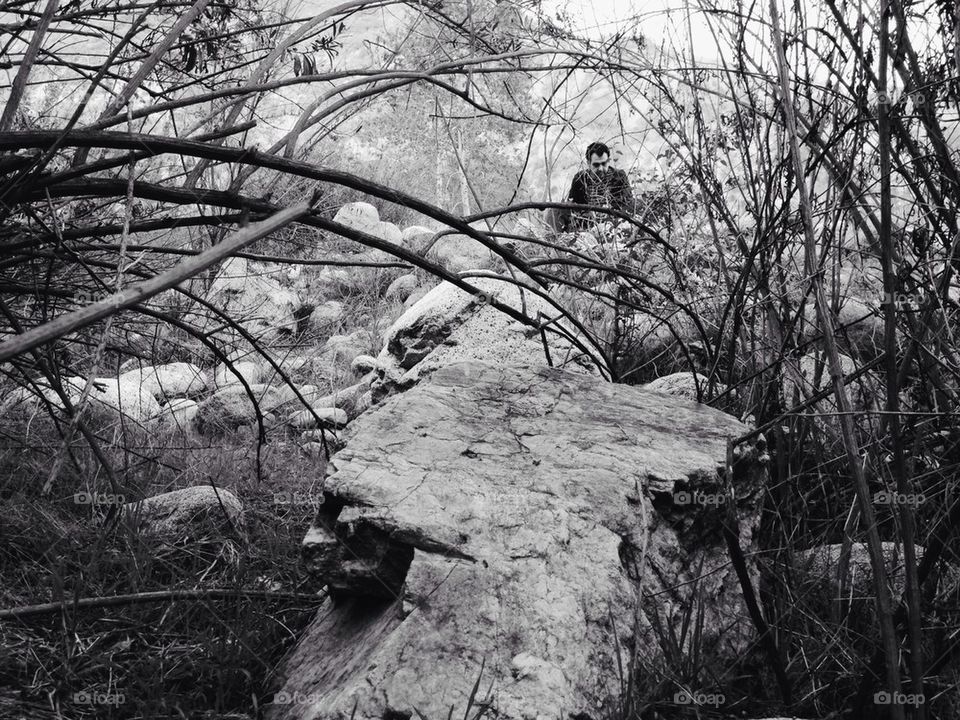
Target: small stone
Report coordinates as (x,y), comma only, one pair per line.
(251,372)
(326,417)
(401,288)
(189,512)
(363,364)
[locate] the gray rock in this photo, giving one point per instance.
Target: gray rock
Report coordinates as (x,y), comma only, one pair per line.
(338,281)
(250,371)
(811,374)
(341,349)
(111,399)
(401,288)
(416,296)
(449,325)
(416,237)
(682,384)
(389,232)
(326,314)
(178,416)
(247,294)
(363,365)
(359,216)
(188,513)
(327,417)
(459,253)
(498,513)
(170,380)
(353,400)
(113,407)
(231,406)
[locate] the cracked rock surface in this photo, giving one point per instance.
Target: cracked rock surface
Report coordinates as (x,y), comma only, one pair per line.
(449,325)
(494,518)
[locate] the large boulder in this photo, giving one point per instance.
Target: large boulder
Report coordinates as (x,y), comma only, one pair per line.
(250,371)
(342,349)
(401,288)
(681,384)
(120,411)
(189,513)
(322,416)
(459,253)
(505,517)
(449,325)
(170,380)
(360,216)
(178,415)
(416,237)
(111,399)
(327,314)
(810,374)
(232,406)
(250,296)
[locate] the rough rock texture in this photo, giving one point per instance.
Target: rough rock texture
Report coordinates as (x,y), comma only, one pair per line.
(110,401)
(111,398)
(495,515)
(329,417)
(170,380)
(190,512)
(449,325)
(416,236)
(232,406)
(363,365)
(251,297)
(416,296)
(250,371)
(401,288)
(459,253)
(327,314)
(178,416)
(342,349)
(359,216)
(681,384)
(820,566)
(352,400)
(814,375)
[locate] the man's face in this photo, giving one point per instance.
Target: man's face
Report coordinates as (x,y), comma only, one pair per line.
(599,163)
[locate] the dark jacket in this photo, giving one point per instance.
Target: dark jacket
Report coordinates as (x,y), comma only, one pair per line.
(609,189)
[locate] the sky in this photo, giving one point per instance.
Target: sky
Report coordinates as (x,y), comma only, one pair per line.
(659,20)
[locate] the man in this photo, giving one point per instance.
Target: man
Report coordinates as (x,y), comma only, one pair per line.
(600,184)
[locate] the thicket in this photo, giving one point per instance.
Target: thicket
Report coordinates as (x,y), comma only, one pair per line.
(797,247)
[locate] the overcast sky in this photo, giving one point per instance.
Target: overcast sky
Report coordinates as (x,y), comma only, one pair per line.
(659,20)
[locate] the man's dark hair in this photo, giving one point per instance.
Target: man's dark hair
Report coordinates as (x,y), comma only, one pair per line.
(597,148)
